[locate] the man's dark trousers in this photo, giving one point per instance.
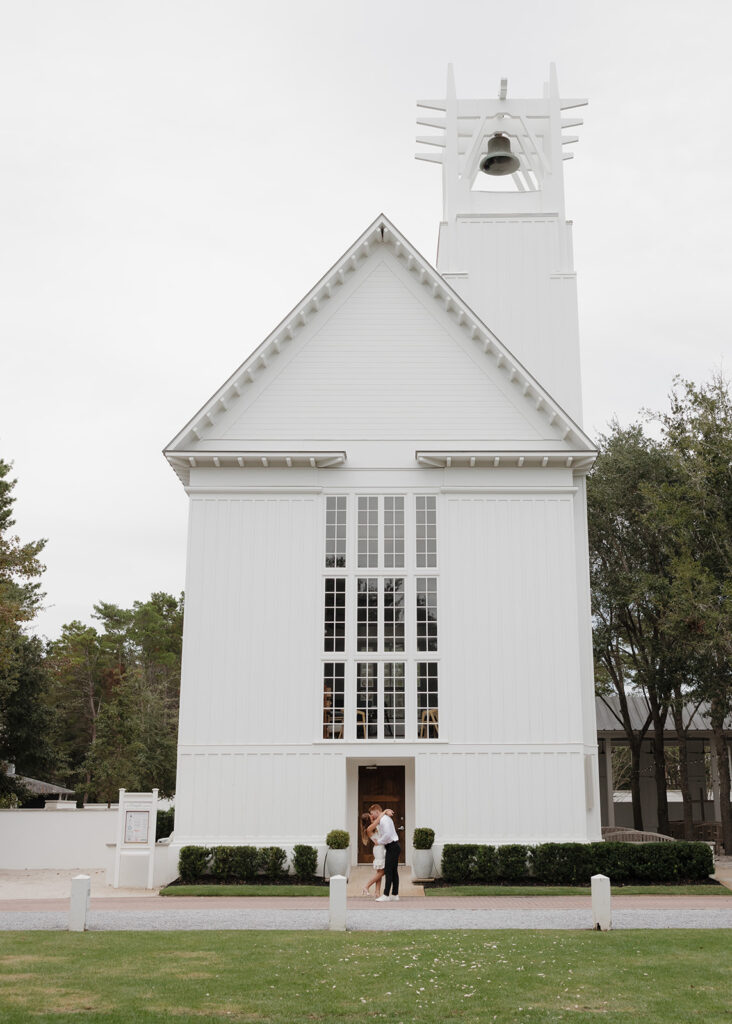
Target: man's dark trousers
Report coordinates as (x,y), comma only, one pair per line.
(391,869)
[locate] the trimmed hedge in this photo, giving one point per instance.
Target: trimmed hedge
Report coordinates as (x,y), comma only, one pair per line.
(513,861)
(232,863)
(164,824)
(337,839)
(192,863)
(575,863)
(459,863)
(272,862)
(305,862)
(235,863)
(423,838)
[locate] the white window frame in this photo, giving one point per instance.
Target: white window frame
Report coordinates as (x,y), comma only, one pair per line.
(410,656)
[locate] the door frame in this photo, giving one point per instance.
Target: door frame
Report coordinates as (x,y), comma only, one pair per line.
(352,766)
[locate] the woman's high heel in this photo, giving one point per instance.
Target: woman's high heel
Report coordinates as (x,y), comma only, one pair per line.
(365,892)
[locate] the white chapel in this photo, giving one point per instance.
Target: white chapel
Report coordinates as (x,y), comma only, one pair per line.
(387,588)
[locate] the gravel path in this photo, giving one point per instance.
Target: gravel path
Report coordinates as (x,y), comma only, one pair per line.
(364,920)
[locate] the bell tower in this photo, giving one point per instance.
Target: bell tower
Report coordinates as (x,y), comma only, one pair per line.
(505,244)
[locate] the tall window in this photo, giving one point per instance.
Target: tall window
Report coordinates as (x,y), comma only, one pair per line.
(380,634)
(368,532)
(335,531)
(394,700)
(333,700)
(427,703)
(335,614)
(367,615)
(393,532)
(393,614)
(367,704)
(426,613)
(426,531)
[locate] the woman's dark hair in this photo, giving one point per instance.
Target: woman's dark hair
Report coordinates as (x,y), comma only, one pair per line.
(365,822)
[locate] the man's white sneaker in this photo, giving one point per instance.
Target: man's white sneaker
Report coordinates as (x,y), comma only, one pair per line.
(393,897)
(382,899)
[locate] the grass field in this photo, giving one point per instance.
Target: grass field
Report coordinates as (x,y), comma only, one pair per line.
(245,890)
(453,890)
(654,977)
(566,890)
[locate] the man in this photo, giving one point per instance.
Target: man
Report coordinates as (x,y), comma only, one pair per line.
(386,836)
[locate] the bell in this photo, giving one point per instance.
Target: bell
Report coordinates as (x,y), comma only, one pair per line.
(500,159)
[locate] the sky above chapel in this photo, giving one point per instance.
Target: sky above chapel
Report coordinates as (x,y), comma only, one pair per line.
(176,175)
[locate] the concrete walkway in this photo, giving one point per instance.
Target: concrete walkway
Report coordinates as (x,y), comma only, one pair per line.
(723,871)
(361,873)
(407,915)
(40,901)
(55,883)
(160,913)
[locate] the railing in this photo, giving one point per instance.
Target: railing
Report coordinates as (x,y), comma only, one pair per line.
(617,834)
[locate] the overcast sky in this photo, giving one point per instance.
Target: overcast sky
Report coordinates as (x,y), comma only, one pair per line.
(176,175)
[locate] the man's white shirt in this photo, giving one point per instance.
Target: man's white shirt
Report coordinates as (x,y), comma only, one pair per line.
(385,831)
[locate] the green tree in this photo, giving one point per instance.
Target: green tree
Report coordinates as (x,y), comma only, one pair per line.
(630,579)
(84,673)
(20,670)
(25,740)
(695,506)
(116,692)
(151,636)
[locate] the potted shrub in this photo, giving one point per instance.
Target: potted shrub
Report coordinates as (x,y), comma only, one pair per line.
(337,856)
(422,864)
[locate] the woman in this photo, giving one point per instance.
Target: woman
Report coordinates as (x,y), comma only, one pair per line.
(368,827)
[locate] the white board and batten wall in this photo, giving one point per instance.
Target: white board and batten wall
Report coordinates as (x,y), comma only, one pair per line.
(385,384)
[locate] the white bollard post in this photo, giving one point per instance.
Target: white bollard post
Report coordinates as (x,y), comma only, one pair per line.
(602,920)
(79,908)
(337,903)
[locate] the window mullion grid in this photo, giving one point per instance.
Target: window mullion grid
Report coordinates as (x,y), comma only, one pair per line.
(349,683)
(410,656)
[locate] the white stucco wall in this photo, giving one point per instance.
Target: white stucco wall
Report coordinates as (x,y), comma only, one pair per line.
(53,838)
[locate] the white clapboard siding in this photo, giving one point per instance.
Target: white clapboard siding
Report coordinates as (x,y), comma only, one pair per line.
(386,365)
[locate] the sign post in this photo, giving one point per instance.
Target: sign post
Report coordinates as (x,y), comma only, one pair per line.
(135,853)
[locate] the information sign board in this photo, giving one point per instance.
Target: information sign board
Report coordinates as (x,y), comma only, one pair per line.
(137,824)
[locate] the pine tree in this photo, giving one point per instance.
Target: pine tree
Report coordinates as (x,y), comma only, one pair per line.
(21,671)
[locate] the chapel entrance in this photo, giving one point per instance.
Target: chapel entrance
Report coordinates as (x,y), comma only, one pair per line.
(381,784)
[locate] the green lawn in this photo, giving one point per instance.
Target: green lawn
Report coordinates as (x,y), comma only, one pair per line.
(511,977)
(245,890)
(452,890)
(566,890)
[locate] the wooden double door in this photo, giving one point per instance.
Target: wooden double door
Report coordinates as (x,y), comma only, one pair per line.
(382,784)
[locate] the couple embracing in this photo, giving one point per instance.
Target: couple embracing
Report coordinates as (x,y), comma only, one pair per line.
(377,826)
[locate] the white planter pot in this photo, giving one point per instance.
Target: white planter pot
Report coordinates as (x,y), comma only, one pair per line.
(337,862)
(422,864)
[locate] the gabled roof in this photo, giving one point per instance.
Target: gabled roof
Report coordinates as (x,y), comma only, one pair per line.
(695,715)
(183,447)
